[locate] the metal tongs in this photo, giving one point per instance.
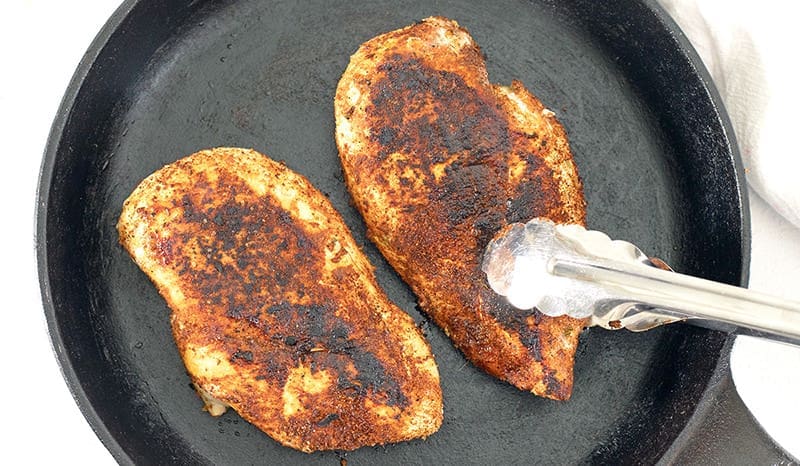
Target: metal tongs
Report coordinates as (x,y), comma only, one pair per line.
(566,269)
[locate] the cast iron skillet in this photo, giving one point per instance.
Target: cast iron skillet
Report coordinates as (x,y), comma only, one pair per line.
(653,145)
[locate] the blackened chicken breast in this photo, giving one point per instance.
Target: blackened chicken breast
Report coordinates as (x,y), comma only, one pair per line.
(275,310)
(438,159)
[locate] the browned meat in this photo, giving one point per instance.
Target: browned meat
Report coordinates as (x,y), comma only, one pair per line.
(437,160)
(275,310)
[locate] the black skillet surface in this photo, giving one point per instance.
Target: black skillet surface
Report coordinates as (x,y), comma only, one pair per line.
(654,148)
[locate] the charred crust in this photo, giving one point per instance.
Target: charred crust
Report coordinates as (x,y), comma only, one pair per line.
(554,388)
(278,298)
(428,96)
(477,168)
(242,355)
(516,320)
(221,221)
(328,419)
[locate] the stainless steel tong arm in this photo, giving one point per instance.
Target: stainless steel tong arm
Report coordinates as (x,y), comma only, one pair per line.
(567,269)
(673,296)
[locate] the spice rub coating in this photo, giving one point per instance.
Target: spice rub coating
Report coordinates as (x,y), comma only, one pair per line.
(438,160)
(275,310)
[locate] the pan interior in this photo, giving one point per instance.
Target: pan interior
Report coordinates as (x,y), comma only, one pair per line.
(169,82)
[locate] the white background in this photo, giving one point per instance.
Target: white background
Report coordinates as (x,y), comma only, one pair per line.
(41,44)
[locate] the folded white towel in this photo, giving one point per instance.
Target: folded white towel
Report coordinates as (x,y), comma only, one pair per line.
(751,51)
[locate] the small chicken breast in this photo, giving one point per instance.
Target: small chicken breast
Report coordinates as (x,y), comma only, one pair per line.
(275,310)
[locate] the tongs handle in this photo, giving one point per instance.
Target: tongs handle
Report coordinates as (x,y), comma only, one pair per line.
(685,297)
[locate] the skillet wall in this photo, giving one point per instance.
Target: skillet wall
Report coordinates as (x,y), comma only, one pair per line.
(168,78)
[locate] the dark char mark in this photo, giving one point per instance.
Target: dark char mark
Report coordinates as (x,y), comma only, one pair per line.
(446,115)
(316,326)
(251,251)
(443,117)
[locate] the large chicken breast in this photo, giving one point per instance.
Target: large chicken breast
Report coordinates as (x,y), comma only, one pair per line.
(275,310)
(437,160)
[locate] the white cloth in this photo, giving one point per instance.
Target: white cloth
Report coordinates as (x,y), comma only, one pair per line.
(766,373)
(751,50)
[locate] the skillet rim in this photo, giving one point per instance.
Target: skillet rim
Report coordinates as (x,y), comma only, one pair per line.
(47,167)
